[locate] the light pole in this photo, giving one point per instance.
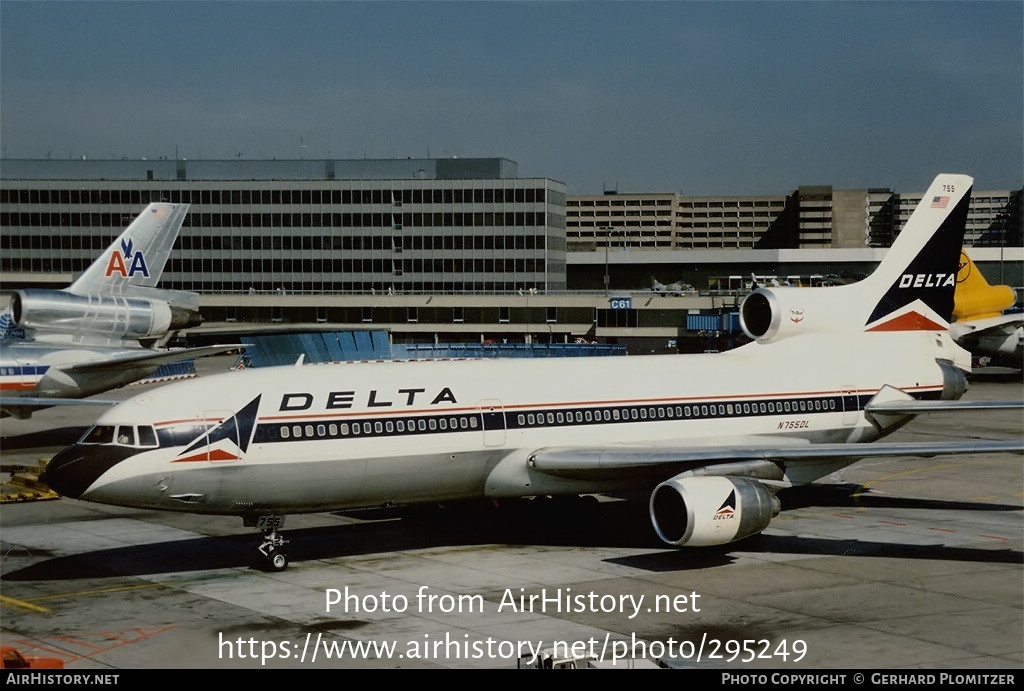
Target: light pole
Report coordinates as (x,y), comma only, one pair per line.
(607,241)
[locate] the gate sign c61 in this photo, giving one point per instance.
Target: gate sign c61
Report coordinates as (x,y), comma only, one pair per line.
(620,303)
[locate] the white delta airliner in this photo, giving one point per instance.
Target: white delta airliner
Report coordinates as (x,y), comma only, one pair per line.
(712,437)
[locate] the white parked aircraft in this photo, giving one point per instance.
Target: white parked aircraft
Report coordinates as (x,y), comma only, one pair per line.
(712,437)
(677,288)
(58,346)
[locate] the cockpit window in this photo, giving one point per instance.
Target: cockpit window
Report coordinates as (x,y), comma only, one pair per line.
(126,435)
(99,434)
(147,436)
(122,435)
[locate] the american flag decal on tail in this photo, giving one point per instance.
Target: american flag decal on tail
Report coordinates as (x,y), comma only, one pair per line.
(939,202)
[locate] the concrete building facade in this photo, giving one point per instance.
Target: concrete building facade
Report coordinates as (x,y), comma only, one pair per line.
(450,250)
(423,226)
(810,217)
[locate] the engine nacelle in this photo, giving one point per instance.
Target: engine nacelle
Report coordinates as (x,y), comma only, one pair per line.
(110,317)
(771,314)
(693,511)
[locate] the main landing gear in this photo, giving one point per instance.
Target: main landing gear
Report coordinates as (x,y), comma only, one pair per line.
(272,554)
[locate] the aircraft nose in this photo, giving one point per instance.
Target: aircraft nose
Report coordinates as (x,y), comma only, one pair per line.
(72,471)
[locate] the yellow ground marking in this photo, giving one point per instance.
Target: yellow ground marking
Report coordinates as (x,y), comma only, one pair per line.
(22,604)
(27,604)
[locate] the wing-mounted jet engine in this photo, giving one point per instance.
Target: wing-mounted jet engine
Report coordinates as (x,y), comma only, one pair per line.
(689,511)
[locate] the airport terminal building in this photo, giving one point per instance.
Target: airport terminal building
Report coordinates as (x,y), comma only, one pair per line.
(324,226)
(437,250)
(810,217)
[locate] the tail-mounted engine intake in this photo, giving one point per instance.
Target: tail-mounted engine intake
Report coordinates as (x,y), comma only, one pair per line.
(771,314)
(112,317)
(760,315)
(689,511)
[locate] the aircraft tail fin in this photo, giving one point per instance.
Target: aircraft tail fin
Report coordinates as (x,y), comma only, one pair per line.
(975,298)
(917,278)
(910,290)
(136,258)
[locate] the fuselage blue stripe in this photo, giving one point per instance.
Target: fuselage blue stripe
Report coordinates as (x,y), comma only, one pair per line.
(355,427)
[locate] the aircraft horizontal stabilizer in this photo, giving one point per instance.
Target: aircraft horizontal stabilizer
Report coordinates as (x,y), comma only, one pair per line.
(1003,325)
(1000,338)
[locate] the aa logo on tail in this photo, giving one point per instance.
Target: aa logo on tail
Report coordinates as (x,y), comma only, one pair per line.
(126,263)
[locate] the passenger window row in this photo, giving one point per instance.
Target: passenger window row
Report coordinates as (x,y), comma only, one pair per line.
(586,416)
(367,428)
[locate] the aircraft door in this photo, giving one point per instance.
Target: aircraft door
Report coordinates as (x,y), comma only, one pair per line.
(493,418)
(24,376)
(851,409)
(222,439)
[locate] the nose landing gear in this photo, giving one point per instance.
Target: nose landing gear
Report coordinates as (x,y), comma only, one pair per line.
(272,553)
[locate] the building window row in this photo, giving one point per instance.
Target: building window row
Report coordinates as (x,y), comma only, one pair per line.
(343,266)
(489,195)
(314,243)
(201,219)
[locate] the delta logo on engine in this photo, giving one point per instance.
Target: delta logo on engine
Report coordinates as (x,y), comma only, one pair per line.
(728,508)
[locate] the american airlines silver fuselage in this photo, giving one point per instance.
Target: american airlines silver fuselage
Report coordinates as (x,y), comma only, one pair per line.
(38,368)
(329,437)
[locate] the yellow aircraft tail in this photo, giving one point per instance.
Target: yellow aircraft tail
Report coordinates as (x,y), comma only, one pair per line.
(974,298)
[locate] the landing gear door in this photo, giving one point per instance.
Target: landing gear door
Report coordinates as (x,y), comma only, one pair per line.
(492,416)
(222,440)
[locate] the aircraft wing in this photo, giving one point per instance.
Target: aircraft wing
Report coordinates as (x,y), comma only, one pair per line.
(591,463)
(915,407)
(30,403)
(993,326)
(1001,338)
(23,406)
(152,357)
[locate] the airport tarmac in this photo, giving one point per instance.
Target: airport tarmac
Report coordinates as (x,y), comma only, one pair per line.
(893,563)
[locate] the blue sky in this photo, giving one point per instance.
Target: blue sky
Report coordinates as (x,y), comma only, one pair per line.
(694,97)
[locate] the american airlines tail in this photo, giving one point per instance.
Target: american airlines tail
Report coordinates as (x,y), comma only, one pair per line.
(138,256)
(911,289)
(115,300)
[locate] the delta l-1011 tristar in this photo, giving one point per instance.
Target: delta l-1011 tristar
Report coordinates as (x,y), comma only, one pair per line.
(59,346)
(713,437)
